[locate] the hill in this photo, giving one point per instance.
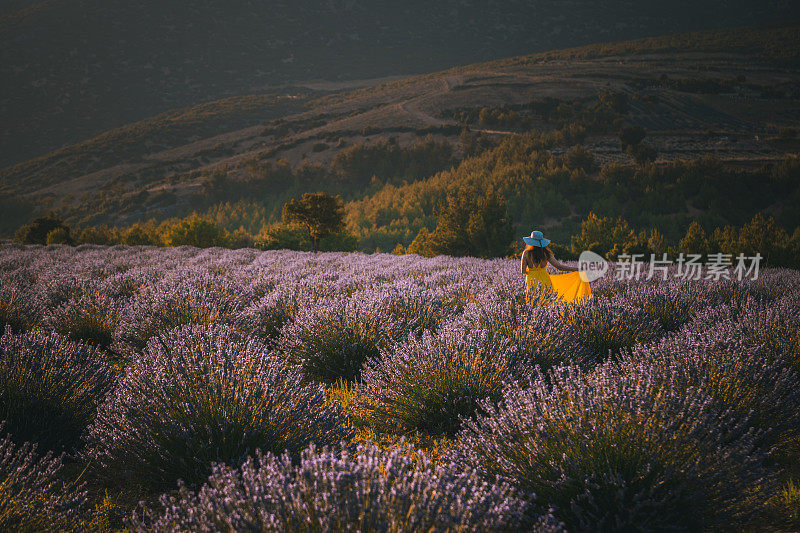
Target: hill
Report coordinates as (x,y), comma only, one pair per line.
(73,69)
(729,95)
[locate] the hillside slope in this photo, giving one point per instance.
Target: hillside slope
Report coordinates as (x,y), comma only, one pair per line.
(722,93)
(72,69)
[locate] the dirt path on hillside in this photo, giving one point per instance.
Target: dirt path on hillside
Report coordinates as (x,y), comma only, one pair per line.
(412,108)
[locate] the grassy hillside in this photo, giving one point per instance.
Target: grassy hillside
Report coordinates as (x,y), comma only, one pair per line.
(75,68)
(729,97)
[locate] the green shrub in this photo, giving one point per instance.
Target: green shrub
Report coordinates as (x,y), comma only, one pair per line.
(58,236)
(37,231)
(195,230)
(604,327)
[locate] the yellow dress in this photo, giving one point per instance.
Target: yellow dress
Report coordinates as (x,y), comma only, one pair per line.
(568,286)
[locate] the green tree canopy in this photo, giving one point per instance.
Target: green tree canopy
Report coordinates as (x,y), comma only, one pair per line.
(605,236)
(36,232)
(58,236)
(695,241)
(468,224)
(631,136)
(195,230)
(319,212)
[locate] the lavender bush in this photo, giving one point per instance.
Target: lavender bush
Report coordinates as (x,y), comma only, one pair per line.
(50,387)
(204,394)
(124,285)
(33,497)
(334,338)
(91,317)
(204,299)
(339,491)
(775,326)
(685,404)
(19,307)
(619,452)
(539,334)
(430,384)
(605,326)
(671,304)
(733,371)
(411,308)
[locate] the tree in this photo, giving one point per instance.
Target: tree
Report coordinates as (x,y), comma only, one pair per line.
(195,230)
(725,240)
(58,236)
(283,237)
(616,102)
(319,212)
(656,242)
(102,234)
(216,185)
(642,153)
(139,235)
(470,222)
(579,157)
(631,136)
(761,235)
(36,232)
(422,244)
(695,240)
(605,236)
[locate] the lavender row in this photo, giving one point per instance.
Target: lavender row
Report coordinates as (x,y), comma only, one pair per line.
(657,403)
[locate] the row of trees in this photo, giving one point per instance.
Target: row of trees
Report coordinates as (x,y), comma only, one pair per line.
(192,230)
(540,181)
(611,237)
(44,230)
(308,222)
(476,225)
(594,113)
(385,159)
(468,223)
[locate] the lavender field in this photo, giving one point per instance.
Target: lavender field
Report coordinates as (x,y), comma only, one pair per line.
(186,389)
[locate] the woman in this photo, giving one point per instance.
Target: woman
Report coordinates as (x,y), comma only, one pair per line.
(569,287)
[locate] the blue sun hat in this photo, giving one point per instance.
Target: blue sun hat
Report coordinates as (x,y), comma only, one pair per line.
(536,239)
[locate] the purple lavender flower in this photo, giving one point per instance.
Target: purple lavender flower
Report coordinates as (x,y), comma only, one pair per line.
(672,304)
(733,370)
(619,452)
(334,338)
(180,299)
(33,496)
(21,307)
(201,394)
(50,387)
(341,491)
(539,334)
(605,326)
(430,384)
(90,317)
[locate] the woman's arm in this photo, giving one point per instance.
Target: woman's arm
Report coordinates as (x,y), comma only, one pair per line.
(524,263)
(561,266)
